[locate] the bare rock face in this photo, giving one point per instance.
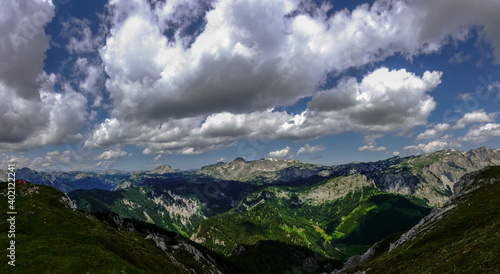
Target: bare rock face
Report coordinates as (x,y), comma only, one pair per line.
(432,176)
(164,169)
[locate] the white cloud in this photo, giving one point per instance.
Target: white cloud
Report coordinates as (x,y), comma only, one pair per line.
(429,147)
(280,153)
(446,141)
(112,154)
(238,64)
(80,36)
(482,134)
(371,144)
(478,116)
(434,132)
(395,153)
(310,149)
(384,101)
(190,94)
(33,113)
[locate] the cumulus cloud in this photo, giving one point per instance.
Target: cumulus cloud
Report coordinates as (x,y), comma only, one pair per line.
(397,98)
(112,154)
(478,116)
(385,100)
(310,149)
(280,153)
(33,113)
(190,93)
(481,134)
(446,141)
(238,64)
(434,132)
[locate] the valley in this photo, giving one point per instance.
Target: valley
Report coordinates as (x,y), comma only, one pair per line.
(235,211)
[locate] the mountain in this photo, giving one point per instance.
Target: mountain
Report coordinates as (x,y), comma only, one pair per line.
(336,218)
(432,176)
(263,171)
(163,169)
(429,177)
(333,211)
(463,236)
(52,236)
(339,212)
(176,204)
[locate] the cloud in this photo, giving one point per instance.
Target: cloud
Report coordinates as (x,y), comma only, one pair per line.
(310,149)
(80,36)
(112,154)
(370,144)
(446,141)
(459,58)
(395,153)
(398,99)
(34,114)
(155,160)
(478,116)
(280,153)
(385,100)
(237,64)
(434,132)
(481,134)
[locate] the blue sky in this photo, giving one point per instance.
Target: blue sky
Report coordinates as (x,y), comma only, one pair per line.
(131,84)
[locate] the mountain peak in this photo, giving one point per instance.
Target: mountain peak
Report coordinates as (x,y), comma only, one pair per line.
(239,159)
(163,169)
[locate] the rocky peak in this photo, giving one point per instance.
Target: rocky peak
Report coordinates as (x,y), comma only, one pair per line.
(163,169)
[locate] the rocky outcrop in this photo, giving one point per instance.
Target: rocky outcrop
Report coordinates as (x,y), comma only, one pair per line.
(164,169)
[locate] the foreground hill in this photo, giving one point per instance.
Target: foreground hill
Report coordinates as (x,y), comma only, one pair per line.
(53,237)
(461,237)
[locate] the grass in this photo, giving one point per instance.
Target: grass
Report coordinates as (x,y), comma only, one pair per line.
(467,241)
(53,238)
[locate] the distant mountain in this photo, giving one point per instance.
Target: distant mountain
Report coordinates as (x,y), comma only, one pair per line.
(428,176)
(163,169)
(460,237)
(263,171)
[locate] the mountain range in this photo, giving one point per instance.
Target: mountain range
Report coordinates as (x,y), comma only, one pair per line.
(237,211)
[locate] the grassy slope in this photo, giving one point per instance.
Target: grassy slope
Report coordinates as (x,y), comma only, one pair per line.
(467,241)
(53,238)
(337,229)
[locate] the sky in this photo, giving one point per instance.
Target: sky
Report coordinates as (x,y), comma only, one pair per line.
(133,84)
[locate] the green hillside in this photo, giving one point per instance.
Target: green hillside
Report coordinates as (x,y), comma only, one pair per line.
(463,237)
(52,237)
(336,229)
